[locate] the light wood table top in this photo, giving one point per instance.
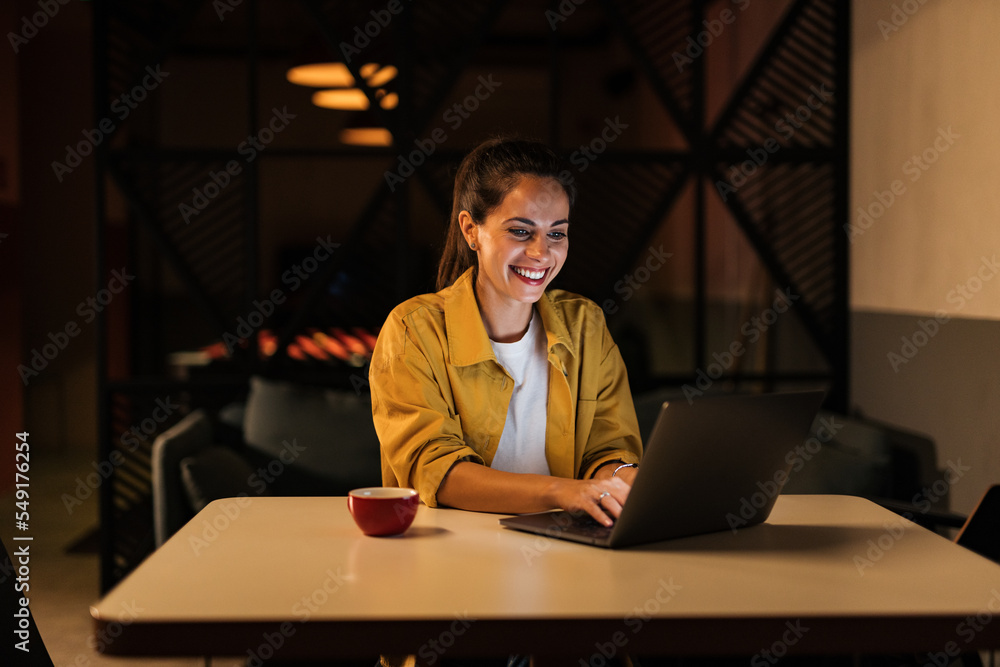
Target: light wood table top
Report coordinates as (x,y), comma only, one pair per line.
(824,574)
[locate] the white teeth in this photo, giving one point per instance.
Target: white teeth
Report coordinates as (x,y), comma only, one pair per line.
(530,275)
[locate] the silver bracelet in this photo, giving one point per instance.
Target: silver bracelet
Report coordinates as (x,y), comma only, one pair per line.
(624,465)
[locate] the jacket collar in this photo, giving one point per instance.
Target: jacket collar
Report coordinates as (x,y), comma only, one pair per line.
(468,342)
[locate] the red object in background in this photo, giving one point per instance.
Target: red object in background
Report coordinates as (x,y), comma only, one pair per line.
(268,343)
(366,337)
(216,351)
(309,346)
(317,345)
(352,343)
(295,352)
(332,345)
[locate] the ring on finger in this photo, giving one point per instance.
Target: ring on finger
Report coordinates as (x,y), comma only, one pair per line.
(603,495)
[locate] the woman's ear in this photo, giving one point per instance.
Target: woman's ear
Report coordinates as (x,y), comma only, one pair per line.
(470,230)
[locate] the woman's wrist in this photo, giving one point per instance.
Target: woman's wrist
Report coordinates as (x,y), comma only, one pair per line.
(551,493)
(622,467)
(606,468)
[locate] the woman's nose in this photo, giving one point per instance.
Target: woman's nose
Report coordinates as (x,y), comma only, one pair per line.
(537,247)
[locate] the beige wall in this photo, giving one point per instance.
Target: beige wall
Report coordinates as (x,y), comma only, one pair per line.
(915,78)
(936,73)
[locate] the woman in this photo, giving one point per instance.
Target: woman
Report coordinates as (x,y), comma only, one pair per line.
(494,394)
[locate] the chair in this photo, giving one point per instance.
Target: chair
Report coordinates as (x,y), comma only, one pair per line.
(186,438)
(981,531)
(287,439)
(981,534)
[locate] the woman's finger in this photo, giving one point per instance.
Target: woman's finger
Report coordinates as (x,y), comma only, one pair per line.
(611,505)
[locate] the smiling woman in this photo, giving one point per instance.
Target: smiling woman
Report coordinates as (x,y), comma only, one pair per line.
(496,394)
(521,246)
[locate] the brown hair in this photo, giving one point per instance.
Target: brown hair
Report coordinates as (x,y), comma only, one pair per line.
(485,176)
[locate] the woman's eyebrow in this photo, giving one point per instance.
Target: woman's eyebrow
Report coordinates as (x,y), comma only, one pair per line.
(531,222)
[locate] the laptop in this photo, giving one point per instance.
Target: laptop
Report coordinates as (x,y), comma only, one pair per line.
(716,463)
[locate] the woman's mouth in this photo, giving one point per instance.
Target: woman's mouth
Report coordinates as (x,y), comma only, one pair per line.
(533,277)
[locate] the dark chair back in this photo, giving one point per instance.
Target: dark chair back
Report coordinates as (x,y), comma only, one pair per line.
(981,532)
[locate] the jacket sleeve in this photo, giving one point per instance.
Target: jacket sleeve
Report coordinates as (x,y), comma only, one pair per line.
(615,431)
(414,413)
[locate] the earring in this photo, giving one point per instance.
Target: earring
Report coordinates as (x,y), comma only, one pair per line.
(472,246)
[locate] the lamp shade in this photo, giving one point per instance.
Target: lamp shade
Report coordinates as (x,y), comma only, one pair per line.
(366,136)
(365,128)
(346,99)
(321,75)
(317,67)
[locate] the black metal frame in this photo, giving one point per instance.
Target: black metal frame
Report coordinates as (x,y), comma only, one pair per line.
(137,172)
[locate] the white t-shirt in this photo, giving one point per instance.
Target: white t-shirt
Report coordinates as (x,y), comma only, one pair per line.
(522,443)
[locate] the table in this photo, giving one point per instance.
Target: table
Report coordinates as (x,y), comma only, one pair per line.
(294,577)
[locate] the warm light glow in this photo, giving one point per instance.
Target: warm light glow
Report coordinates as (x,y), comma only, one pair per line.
(366,136)
(382,76)
(340,92)
(321,75)
(390,101)
(348,99)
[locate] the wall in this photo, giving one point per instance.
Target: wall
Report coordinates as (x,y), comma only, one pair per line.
(56,226)
(11,419)
(924,227)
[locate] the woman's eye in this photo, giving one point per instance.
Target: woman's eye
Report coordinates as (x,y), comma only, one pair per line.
(520,233)
(558,236)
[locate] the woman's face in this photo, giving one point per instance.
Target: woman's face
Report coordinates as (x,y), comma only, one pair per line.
(523,243)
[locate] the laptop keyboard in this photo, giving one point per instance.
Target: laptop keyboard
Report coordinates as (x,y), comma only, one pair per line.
(587,525)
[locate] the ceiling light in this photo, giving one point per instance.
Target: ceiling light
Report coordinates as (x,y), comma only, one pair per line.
(381,77)
(366,136)
(346,99)
(321,75)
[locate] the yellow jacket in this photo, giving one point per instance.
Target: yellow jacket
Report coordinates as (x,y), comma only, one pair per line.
(439,396)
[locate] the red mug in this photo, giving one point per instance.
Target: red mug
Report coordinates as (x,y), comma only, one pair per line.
(380,510)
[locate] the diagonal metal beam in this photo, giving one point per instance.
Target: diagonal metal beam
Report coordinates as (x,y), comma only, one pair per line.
(146,216)
(168,40)
(758,68)
(686,122)
(334,37)
(652,223)
(775,268)
(318,283)
(477,35)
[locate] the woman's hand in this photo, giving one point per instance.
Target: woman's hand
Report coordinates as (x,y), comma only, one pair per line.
(473,486)
(601,498)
